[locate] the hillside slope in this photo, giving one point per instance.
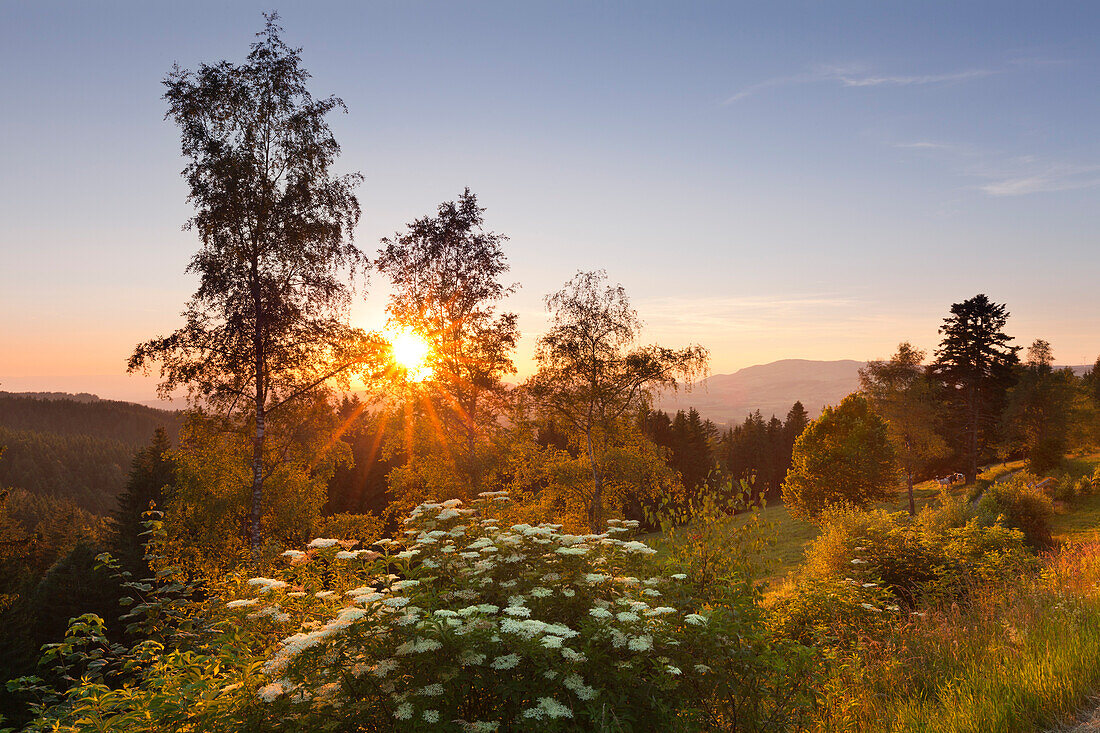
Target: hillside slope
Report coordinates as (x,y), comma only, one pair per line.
(771,388)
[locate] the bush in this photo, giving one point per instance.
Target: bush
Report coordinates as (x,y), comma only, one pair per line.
(866,565)
(1023,506)
(471,626)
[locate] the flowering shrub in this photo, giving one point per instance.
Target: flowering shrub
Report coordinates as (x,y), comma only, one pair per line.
(868,568)
(469,625)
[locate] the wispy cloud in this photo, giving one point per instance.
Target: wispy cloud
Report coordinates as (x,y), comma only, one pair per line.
(1001,175)
(847,76)
(913,80)
(1052,178)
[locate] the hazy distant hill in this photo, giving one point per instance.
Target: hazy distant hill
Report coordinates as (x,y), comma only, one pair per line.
(773,388)
(770,388)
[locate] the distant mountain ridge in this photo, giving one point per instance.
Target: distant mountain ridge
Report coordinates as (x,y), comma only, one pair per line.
(773,388)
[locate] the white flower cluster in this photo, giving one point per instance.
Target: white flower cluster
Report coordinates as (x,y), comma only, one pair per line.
(523,602)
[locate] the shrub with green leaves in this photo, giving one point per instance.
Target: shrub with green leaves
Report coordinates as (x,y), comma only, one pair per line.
(474,626)
(941,554)
(466,624)
(1022,505)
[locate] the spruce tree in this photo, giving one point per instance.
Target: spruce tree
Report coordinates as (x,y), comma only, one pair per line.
(974,367)
(152,474)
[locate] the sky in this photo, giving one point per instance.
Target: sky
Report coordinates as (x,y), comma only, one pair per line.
(771,180)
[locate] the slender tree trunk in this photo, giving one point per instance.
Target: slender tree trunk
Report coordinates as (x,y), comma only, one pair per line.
(594,509)
(909,486)
(972,467)
(257,478)
(260,406)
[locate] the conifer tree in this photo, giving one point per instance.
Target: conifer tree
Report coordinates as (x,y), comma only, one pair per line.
(973,366)
(152,474)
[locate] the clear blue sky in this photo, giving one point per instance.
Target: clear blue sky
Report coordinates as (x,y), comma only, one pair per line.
(815,180)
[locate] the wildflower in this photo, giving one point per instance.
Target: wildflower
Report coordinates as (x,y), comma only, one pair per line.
(570,655)
(267,584)
(568,592)
(432,690)
(626,616)
(695,619)
(517,611)
(294,554)
(541,592)
(575,683)
(595,578)
(324,593)
(640,643)
(548,707)
(507,661)
(268,693)
(599,613)
(323,542)
(430,716)
(679,576)
(857,561)
(652,592)
(869,607)
(404,711)
(242,602)
(702,668)
(383,668)
(396,601)
(571,550)
(672,670)
(481,726)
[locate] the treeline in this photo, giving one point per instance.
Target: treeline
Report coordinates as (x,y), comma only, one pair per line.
(754,455)
(74,448)
(124,422)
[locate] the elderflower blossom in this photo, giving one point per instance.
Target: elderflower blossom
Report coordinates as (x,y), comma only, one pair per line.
(322,542)
(506,661)
(548,707)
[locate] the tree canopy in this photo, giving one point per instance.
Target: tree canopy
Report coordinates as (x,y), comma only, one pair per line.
(844,458)
(267,323)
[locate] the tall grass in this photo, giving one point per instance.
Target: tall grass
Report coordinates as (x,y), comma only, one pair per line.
(1017,658)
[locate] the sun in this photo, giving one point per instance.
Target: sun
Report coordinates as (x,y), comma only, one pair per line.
(410,352)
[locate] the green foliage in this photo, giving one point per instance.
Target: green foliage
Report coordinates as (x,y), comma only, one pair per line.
(1038,410)
(902,395)
(86,470)
(592,375)
(151,481)
(267,326)
(844,458)
(1020,504)
(546,632)
(888,564)
(121,422)
(974,369)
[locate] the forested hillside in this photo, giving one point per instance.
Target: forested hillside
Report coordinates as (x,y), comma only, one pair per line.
(124,422)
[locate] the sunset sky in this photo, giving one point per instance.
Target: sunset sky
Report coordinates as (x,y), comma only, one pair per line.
(772,180)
